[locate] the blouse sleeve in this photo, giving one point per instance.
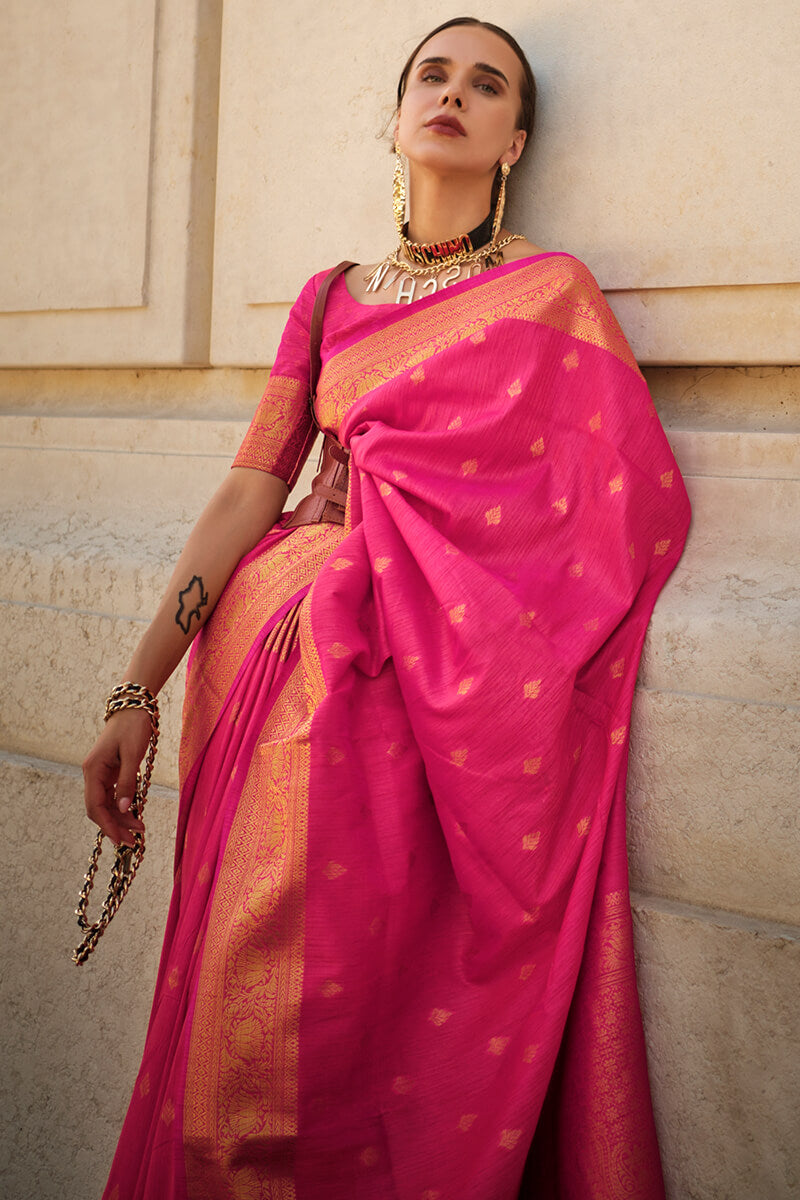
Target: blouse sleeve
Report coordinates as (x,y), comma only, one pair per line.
(282,433)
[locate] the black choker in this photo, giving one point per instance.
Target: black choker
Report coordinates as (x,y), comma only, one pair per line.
(427,254)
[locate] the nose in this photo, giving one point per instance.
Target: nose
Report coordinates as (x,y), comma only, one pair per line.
(451,96)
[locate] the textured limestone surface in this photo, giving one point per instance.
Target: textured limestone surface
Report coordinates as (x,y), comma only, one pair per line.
(71,1036)
(85,552)
(713,803)
(719,997)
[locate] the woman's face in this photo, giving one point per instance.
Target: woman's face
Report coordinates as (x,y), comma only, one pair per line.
(461,104)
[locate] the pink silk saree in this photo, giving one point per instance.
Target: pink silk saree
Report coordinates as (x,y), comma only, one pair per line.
(398,962)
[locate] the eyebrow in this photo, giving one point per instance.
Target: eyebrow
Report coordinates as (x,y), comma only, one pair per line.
(479,66)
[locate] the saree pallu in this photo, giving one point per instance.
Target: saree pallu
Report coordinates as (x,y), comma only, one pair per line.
(398,962)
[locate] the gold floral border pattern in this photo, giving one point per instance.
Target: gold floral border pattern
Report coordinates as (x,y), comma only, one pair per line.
(558,292)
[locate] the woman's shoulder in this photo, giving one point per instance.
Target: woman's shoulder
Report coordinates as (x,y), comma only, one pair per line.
(522,248)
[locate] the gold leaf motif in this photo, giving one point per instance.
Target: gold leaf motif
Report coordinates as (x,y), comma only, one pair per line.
(583,826)
(532,689)
(618,668)
(381,564)
(395,750)
(400,475)
(560,505)
(595,422)
(144,1085)
(410,661)
(497,1045)
(469,467)
(530,918)
(456,614)
(531,840)
(335,755)
(465,685)
(663,546)
(493,516)
(174,978)
(459,757)
(204,874)
(402,1085)
(615,484)
(571,360)
(451,550)
(334,870)
(576,570)
(509,1138)
(438,1016)
(530,1054)
(385,489)
(532,766)
(632,550)
(456,423)
(538,447)
(527,618)
(576,753)
(666,479)
(418,375)
(369,1157)
(591,625)
(341,564)
(331,988)
(234,770)
(339,650)
(515,388)
(618,735)
(466,1122)
(526,971)
(168,1112)
(375,926)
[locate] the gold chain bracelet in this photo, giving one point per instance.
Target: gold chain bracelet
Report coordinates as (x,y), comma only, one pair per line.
(127,858)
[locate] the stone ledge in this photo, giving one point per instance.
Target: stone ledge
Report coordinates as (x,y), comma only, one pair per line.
(711,804)
(719,999)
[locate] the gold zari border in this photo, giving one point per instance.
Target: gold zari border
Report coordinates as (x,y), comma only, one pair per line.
(557,291)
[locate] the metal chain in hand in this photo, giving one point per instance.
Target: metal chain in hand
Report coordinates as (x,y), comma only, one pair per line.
(127,858)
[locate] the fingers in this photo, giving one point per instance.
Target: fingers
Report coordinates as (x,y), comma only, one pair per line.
(109,772)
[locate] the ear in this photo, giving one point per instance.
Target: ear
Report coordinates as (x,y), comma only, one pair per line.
(514,151)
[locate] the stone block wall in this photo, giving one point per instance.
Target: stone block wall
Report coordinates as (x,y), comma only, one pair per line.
(94,510)
(140,307)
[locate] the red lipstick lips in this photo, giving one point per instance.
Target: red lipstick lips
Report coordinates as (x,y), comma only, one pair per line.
(445,123)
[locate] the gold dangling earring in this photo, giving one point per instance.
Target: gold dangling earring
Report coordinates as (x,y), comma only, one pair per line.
(399,191)
(505,171)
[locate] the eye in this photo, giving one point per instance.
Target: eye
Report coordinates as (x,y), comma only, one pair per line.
(432,77)
(488,87)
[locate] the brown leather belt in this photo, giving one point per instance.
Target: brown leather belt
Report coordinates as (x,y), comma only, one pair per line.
(328,498)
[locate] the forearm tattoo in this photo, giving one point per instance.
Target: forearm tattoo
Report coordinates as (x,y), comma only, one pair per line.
(192,599)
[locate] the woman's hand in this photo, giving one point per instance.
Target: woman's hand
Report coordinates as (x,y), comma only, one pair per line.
(109,774)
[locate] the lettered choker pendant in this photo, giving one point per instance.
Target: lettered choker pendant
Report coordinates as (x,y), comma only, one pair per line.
(429,254)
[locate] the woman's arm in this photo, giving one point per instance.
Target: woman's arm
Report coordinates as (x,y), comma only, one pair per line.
(238,515)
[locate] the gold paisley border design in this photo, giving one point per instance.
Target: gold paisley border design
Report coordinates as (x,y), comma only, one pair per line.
(278,438)
(558,292)
(242,1076)
(260,588)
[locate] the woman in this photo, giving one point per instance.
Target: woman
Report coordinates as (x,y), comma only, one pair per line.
(398,958)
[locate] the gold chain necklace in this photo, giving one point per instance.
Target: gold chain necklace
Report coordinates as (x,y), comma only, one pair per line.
(381,277)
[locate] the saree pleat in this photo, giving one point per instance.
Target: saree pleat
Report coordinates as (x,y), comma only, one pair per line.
(401,926)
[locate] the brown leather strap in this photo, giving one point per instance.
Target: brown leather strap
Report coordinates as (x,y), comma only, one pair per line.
(328,496)
(315,331)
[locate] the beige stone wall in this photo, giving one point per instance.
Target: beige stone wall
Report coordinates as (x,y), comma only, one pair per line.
(143,296)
